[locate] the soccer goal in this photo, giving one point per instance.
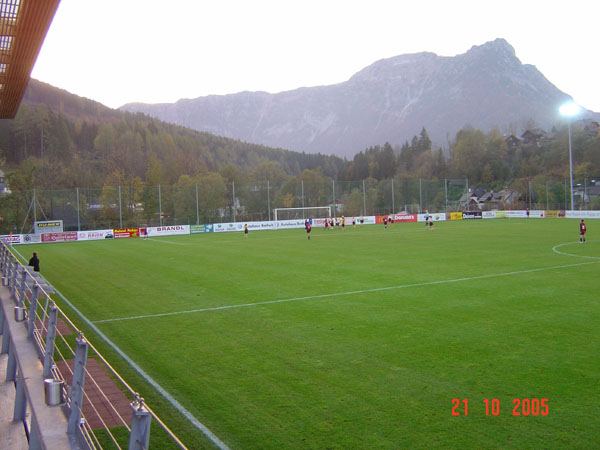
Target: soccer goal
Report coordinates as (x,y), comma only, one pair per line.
(301,213)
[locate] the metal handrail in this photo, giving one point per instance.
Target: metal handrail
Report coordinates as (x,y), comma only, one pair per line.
(23,294)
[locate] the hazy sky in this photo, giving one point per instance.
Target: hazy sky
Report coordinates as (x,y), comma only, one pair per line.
(120,51)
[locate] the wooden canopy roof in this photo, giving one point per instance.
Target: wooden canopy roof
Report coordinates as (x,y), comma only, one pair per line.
(23,27)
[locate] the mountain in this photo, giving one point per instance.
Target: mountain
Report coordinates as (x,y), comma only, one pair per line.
(390,100)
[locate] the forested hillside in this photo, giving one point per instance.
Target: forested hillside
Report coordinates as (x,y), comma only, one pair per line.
(82,157)
(61,140)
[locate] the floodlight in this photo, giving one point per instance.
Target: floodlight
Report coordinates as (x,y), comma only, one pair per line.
(569,109)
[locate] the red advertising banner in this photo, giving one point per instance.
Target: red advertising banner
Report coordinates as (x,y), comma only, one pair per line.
(125,232)
(59,237)
(397,218)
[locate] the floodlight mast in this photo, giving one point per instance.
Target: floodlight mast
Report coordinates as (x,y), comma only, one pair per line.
(570,110)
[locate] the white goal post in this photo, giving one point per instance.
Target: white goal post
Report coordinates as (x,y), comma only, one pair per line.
(301,213)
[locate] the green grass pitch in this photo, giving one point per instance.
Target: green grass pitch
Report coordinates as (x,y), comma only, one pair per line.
(358,338)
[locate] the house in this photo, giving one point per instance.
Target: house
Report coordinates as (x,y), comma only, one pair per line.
(533,137)
(504,199)
(512,142)
(480,199)
(584,194)
(469,201)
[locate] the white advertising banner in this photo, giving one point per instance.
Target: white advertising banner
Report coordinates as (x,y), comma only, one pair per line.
(582,214)
(257,226)
(361,220)
(281,224)
(232,226)
(94,235)
(488,214)
(170,230)
(31,239)
(12,238)
(536,214)
(285,224)
(523,214)
(48,226)
(435,216)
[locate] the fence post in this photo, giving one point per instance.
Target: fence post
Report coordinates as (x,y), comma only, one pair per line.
(302,187)
(11,364)
(269,199)
(5,339)
(446,194)
(13,279)
(35,289)
(364,200)
(20,400)
(77,384)
(50,336)
(2,261)
(393,198)
(34,435)
(160,206)
(120,209)
(22,286)
(334,202)
(4,266)
(233,200)
(139,438)
(420,196)
(197,207)
(78,217)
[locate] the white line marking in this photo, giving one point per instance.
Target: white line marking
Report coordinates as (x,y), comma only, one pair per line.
(339,294)
(188,415)
(556,247)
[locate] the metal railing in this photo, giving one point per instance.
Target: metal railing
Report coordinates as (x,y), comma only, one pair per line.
(93,417)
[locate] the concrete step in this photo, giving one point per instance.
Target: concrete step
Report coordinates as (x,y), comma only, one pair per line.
(12,434)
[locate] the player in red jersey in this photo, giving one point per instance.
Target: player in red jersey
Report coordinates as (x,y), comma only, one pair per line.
(308,228)
(385,221)
(582,231)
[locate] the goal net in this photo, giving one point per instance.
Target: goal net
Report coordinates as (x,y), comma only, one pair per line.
(301,213)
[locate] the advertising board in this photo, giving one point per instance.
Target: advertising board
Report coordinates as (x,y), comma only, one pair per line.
(48,226)
(226,227)
(582,214)
(169,230)
(120,233)
(403,217)
(468,215)
(286,224)
(11,238)
(436,217)
(59,237)
(456,215)
(94,235)
(516,214)
(195,229)
(31,239)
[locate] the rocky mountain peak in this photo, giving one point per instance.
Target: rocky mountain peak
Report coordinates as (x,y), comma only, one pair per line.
(390,100)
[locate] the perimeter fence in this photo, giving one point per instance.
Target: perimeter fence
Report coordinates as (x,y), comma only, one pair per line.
(212,201)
